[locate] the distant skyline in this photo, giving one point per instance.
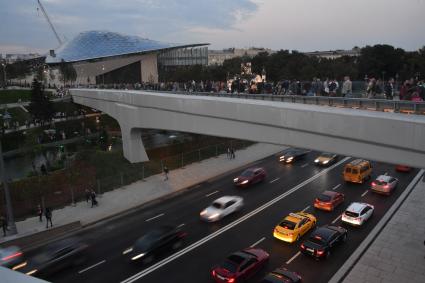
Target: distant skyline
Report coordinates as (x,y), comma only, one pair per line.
(303,25)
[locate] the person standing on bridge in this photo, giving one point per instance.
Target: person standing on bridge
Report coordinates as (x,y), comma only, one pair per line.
(48,215)
(3,222)
(166,172)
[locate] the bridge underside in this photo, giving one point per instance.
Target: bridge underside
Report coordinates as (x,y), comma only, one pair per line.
(386,137)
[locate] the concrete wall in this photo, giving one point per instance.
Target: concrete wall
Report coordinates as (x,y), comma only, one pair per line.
(387,137)
(149,67)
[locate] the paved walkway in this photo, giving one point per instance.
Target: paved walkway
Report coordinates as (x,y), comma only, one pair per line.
(397,254)
(138,193)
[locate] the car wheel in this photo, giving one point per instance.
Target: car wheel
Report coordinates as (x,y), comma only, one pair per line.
(177,245)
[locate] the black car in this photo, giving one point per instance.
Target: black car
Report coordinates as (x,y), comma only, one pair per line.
(156,242)
(292,154)
(322,240)
(57,256)
(282,275)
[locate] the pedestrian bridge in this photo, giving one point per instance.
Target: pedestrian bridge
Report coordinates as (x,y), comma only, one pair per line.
(381,136)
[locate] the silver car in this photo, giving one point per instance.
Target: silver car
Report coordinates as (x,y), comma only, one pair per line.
(221,207)
(384,184)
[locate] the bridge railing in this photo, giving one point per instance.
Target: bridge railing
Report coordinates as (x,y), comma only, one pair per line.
(383,105)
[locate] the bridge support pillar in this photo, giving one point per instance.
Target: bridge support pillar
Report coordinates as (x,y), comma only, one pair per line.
(133,147)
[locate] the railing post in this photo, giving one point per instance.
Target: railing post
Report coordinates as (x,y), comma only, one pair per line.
(182,160)
(72,196)
(199,155)
(98,187)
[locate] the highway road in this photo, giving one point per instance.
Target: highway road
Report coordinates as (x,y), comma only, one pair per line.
(287,188)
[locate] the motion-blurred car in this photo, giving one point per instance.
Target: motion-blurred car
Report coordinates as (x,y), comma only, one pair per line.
(328,200)
(240,266)
(221,207)
(403,168)
(357,213)
(12,257)
(57,256)
(384,184)
(326,159)
(158,241)
(250,176)
(322,240)
(282,275)
(293,226)
(292,155)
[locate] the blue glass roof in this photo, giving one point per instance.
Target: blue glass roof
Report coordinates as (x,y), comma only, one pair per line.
(99,44)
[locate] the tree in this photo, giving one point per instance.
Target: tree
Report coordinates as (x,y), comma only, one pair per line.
(68,72)
(40,107)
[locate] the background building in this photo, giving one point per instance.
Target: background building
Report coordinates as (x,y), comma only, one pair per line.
(217,57)
(334,54)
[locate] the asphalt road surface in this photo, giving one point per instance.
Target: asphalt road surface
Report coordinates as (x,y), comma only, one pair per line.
(287,188)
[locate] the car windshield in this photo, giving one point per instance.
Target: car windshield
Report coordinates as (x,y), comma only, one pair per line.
(380,182)
(247,173)
(316,241)
(327,155)
(352,214)
(217,205)
(324,198)
(287,224)
(229,266)
(354,171)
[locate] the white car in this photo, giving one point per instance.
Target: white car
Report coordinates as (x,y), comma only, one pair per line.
(357,213)
(221,207)
(384,184)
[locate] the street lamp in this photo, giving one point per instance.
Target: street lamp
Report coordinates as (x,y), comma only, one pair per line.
(4,74)
(9,210)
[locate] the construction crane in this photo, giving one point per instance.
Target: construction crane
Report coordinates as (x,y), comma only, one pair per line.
(50,23)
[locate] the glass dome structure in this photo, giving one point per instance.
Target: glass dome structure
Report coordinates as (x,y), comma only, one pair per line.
(99,44)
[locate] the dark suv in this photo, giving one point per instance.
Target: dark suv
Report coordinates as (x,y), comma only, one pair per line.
(322,240)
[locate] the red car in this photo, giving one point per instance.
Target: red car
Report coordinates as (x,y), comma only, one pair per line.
(328,200)
(403,168)
(250,176)
(240,266)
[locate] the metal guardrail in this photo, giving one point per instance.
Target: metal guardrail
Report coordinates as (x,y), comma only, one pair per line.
(382,105)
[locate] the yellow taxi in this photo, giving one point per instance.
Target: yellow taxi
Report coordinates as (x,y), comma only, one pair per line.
(293,226)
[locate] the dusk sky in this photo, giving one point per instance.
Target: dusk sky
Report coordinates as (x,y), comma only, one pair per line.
(304,25)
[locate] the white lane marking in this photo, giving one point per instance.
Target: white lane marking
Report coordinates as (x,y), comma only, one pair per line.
(92,266)
(210,194)
(363,194)
(274,180)
(336,219)
(336,187)
(181,225)
(259,241)
(305,165)
(294,257)
(305,209)
(213,235)
(155,217)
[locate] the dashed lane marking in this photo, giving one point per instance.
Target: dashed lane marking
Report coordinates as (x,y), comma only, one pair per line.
(305,209)
(259,241)
(363,194)
(181,225)
(336,219)
(274,180)
(155,217)
(336,187)
(210,194)
(294,257)
(91,266)
(305,165)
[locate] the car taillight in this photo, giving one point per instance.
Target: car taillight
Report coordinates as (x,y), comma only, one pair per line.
(386,187)
(373,184)
(213,273)
(182,234)
(231,280)
(320,252)
(302,246)
(11,256)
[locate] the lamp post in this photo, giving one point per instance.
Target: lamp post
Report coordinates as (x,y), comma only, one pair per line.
(4,74)
(9,210)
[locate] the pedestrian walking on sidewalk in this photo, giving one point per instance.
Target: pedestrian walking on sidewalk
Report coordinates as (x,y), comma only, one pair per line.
(88,195)
(3,222)
(229,155)
(48,215)
(40,213)
(166,172)
(93,198)
(232,152)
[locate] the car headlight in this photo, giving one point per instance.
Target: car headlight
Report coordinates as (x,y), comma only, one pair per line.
(245,182)
(31,272)
(137,256)
(326,162)
(215,215)
(203,212)
(235,180)
(282,158)
(129,250)
(316,160)
(19,265)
